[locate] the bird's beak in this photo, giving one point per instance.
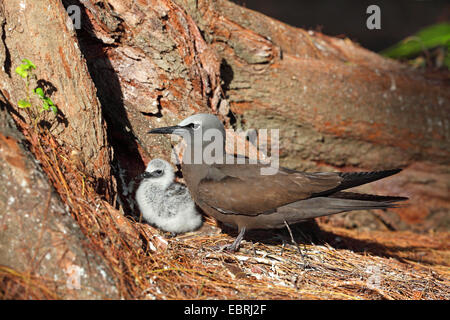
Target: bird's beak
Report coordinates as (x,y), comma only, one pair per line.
(145,175)
(164,130)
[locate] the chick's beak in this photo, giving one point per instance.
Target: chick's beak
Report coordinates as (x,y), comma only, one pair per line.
(145,175)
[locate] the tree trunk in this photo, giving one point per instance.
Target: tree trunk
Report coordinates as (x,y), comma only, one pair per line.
(37,30)
(136,65)
(41,246)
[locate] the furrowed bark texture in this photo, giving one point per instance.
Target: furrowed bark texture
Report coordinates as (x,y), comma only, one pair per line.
(41,246)
(152,68)
(37,30)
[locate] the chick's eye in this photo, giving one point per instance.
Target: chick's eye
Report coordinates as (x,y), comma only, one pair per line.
(159,172)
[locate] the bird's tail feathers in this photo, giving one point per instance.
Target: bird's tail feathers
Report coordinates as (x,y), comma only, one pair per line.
(340,202)
(354,179)
(366,197)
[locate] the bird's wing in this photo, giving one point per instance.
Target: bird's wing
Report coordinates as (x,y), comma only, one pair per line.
(241,189)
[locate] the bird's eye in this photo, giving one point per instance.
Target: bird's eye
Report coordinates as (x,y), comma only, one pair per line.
(194,126)
(159,172)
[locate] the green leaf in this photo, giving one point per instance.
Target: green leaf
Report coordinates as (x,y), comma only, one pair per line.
(45,105)
(23,104)
(427,38)
(28,64)
(39,92)
(54,109)
(49,101)
(21,71)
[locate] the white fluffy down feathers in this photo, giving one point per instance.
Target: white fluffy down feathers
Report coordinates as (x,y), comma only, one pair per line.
(163,202)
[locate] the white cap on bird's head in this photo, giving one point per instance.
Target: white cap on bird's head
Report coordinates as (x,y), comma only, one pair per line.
(204,135)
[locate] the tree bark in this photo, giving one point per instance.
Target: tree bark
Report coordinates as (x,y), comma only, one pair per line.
(38,31)
(151,67)
(41,246)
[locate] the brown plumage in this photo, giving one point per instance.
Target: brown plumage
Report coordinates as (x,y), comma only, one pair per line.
(238,194)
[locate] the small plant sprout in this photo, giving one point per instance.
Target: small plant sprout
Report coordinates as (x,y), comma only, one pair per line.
(47,103)
(25,71)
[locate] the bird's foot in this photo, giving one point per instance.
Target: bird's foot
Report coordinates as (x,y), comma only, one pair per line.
(226,247)
(235,245)
(230,247)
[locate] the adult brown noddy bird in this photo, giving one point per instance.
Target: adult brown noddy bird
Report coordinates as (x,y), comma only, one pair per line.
(240,195)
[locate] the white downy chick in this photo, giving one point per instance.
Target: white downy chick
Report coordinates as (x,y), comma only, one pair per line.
(163,202)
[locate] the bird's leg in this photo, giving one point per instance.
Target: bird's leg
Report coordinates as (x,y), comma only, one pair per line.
(235,245)
(293,241)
